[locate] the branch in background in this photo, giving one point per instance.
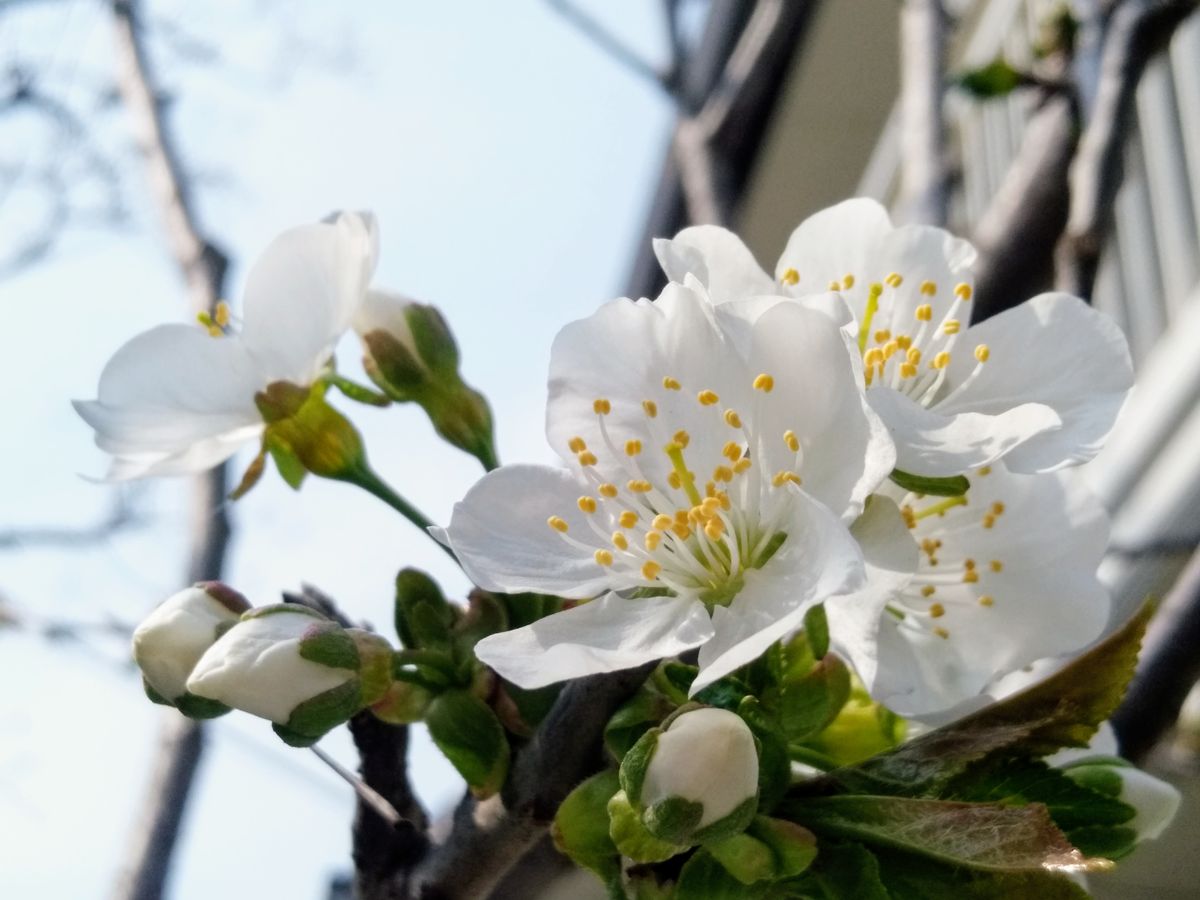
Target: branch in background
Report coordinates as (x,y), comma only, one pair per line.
(1135,31)
(1168,668)
(121,515)
(144,873)
(924,177)
(595,32)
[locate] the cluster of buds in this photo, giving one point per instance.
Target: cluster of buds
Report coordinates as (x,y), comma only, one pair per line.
(206,651)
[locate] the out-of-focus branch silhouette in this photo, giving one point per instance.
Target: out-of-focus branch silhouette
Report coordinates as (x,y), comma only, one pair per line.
(925,181)
(122,514)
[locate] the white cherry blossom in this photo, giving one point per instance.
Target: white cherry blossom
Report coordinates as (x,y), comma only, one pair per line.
(180,398)
(711,463)
(964,590)
(1038,385)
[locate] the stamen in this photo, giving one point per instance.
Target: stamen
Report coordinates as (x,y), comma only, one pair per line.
(682,438)
(963,291)
(650,570)
(732,419)
(982,353)
(924,313)
(723,473)
(986,600)
(741,465)
(940,361)
(793,442)
(603,557)
(882,336)
(732,451)
(783,477)
(650,407)
(670,383)
(952,326)
(587,504)
(928,288)
(638,486)
(652,540)
(587,458)
(941,632)
(633,448)
(673,480)
(764,383)
(607,490)
(601,407)
(790,277)
(847,282)
(662,522)
(894,279)
(628,518)
(936,611)
(928,591)
(577,444)
(558,524)
(986,470)
(221,314)
(620,541)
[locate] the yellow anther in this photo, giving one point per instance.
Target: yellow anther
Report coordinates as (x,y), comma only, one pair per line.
(784,477)
(587,458)
(952,326)
(929,545)
(708,398)
(882,336)
(928,288)
(894,279)
(661,522)
(650,570)
(847,282)
(650,407)
(913,355)
(732,419)
(714,530)
(741,465)
(963,291)
(722,473)
(681,530)
(928,591)
(638,486)
(628,518)
(909,516)
(986,470)
(607,490)
(710,506)
(670,383)
(873,357)
(587,504)
(221,314)
(968,563)
(558,524)
(724,497)
(835,286)
(577,444)
(790,277)
(998,508)
(904,341)
(732,451)
(674,480)
(924,312)
(970,576)
(869,376)
(652,540)
(936,610)
(601,407)
(982,353)
(941,632)
(793,442)
(989,520)
(907,370)
(682,438)
(620,541)
(633,448)
(681,516)
(214,330)
(764,383)
(710,489)
(940,361)
(986,600)
(890,348)
(996,566)
(604,557)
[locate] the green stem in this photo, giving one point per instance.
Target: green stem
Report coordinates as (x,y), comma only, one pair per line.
(362,476)
(814,758)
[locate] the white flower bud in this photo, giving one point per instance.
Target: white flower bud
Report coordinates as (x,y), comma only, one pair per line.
(707,758)
(257,665)
(1155,801)
(170,641)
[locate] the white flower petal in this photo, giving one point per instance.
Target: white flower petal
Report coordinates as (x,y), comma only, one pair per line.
(835,242)
(499,533)
(603,635)
(1053,350)
(718,258)
(816,397)
(302,293)
(818,560)
(931,442)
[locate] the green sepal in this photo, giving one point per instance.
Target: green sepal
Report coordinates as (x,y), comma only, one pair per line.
(328,644)
(402,703)
(704,878)
(636,762)
(581,829)
(423,616)
(769,850)
(294,738)
(674,820)
(485,615)
(315,717)
(300,422)
(290,469)
(357,392)
(809,703)
(200,707)
(154,696)
(374,664)
(729,825)
(745,858)
(630,836)
(392,367)
(467,731)
(816,630)
(948,486)
(637,715)
(433,339)
(842,871)
(774,761)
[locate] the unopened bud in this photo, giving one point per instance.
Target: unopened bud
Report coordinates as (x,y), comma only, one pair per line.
(288,664)
(1155,802)
(173,638)
(304,431)
(695,780)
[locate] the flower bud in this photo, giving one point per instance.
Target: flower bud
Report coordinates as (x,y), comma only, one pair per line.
(1154,801)
(291,665)
(410,354)
(168,644)
(695,780)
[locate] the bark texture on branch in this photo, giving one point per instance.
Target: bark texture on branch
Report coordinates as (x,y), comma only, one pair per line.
(924,177)
(143,875)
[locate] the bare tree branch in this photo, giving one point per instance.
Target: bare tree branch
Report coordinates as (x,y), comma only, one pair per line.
(203,266)
(121,515)
(924,188)
(1135,31)
(595,32)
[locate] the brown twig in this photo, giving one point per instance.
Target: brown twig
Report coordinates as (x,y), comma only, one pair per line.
(925,183)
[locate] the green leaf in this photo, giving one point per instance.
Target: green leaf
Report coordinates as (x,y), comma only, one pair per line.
(703,878)
(860,730)
(809,703)
(630,835)
(330,645)
(975,835)
(633,718)
(313,718)
(774,762)
(950,486)
(909,877)
(468,732)
(580,828)
(744,857)
(816,630)
(842,871)
(1062,711)
(423,615)
(996,79)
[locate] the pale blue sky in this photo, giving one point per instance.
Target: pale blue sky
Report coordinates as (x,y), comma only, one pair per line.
(510,164)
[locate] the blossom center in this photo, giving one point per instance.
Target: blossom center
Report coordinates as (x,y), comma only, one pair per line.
(219,323)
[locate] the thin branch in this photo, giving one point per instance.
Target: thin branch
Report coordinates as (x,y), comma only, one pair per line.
(144,874)
(594,31)
(367,795)
(1135,31)
(925,187)
(121,515)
